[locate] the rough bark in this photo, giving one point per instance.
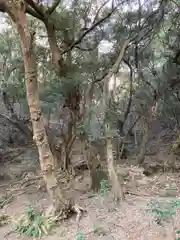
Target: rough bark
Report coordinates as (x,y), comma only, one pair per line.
(117,189)
(17,12)
(93,152)
(116,185)
(68,137)
(57,58)
(147,125)
(95,166)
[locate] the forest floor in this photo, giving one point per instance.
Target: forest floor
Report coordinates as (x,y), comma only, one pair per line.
(104,218)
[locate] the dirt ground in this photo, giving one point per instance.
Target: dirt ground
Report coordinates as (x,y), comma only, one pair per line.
(104,218)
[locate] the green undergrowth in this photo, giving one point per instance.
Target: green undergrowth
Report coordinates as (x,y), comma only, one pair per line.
(34,224)
(80,236)
(105,187)
(164,212)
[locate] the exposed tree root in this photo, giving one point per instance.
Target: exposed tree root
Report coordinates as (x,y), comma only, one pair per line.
(65,213)
(79,210)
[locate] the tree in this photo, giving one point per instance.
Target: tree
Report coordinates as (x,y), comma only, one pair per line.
(78,71)
(17,12)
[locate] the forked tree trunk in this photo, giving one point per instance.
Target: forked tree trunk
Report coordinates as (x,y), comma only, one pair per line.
(18,14)
(116,185)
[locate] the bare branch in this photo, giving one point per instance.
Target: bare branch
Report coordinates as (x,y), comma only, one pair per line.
(160,11)
(33,13)
(175,3)
(37,8)
(53,7)
(155,93)
(118,61)
(9,71)
(86,49)
(98,11)
(131,128)
(89,30)
(86,13)
(19,125)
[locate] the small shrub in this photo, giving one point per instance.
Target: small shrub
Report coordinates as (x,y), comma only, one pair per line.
(164,210)
(33,224)
(178,233)
(80,236)
(104,187)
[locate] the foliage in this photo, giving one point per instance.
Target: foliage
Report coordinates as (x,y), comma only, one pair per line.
(104,187)
(70,22)
(34,224)
(153,29)
(163,210)
(80,236)
(178,233)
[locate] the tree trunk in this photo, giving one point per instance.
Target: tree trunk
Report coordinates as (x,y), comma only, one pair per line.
(120,146)
(117,188)
(92,150)
(147,127)
(72,100)
(95,167)
(40,137)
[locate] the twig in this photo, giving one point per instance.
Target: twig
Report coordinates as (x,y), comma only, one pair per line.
(8,234)
(79,210)
(136,194)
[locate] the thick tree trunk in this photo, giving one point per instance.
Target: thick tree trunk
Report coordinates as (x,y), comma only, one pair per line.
(40,137)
